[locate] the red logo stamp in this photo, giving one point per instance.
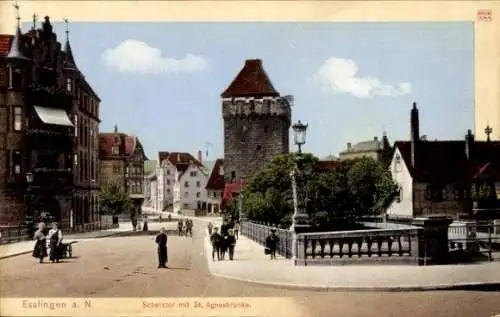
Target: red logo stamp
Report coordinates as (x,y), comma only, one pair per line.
(484,16)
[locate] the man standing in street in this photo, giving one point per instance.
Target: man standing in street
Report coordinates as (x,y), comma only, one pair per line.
(272,243)
(161,241)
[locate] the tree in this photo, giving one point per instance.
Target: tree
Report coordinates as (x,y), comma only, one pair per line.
(114,199)
(335,198)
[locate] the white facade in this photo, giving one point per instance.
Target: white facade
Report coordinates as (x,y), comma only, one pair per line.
(214,199)
(153,184)
(189,189)
(166,176)
(402,207)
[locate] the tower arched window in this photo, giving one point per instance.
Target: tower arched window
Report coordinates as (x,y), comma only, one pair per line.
(15,78)
(69,85)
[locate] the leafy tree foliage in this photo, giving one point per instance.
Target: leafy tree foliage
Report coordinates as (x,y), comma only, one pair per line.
(114,199)
(335,198)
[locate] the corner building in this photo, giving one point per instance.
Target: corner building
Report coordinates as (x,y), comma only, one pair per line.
(256,123)
(47,109)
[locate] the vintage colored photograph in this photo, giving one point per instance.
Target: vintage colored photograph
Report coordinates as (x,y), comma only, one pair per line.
(335,163)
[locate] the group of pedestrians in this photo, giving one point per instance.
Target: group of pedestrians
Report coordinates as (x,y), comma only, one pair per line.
(185,227)
(224,241)
(48,244)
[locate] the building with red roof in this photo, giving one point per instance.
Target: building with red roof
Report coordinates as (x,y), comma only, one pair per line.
(122,162)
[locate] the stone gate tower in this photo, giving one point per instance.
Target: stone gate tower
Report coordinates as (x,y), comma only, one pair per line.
(256,123)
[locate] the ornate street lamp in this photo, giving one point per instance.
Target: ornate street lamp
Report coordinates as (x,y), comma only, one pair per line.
(29,221)
(300,218)
(299,134)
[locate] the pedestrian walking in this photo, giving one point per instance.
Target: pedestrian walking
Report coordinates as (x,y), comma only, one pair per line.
(180,225)
(236,229)
(231,243)
(215,239)
(272,244)
(55,238)
(40,249)
(189,227)
(210,228)
(161,241)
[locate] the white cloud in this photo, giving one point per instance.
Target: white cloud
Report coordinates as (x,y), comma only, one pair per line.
(132,56)
(339,75)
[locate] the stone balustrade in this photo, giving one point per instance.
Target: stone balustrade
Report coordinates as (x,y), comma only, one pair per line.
(462,236)
(384,246)
(260,232)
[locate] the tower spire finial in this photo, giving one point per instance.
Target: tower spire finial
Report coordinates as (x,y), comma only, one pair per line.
(488,130)
(15,51)
(67,28)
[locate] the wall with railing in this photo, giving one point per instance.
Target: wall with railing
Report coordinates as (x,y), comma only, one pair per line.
(385,246)
(259,233)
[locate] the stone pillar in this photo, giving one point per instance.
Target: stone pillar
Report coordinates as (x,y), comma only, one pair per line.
(433,241)
(298,246)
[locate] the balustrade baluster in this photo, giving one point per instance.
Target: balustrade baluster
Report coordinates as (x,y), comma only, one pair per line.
(331,242)
(409,238)
(313,247)
(379,246)
(349,247)
(389,245)
(341,246)
(400,246)
(359,241)
(369,242)
(322,246)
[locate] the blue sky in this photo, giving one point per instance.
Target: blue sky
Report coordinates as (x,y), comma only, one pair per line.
(351,81)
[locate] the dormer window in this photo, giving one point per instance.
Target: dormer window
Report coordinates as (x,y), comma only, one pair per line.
(115,150)
(221,170)
(69,85)
(193,174)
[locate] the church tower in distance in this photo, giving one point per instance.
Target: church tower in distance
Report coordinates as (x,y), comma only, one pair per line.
(256,123)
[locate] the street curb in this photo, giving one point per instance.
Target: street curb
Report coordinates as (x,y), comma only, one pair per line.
(25,252)
(325,288)
(72,242)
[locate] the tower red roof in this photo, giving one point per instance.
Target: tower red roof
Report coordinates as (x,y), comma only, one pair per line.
(251,81)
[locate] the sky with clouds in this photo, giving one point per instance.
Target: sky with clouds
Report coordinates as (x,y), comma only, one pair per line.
(351,81)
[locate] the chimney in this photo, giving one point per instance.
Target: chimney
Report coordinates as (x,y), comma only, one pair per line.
(415,133)
(348,146)
(469,141)
(200,156)
(116,128)
(375,138)
(178,157)
(253,62)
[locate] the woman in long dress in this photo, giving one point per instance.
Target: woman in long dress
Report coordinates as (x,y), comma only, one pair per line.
(40,250)
(55,238)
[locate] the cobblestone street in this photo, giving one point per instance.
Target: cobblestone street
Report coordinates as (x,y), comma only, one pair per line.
(126,267)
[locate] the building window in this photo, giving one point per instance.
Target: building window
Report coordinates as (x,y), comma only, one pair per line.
(18,118)
(215,194)
(397,163)
(16,162)
(16,78)
(193,174)
(198,184)
(115,150)
(399,195)
(186,184)
(76,125)
(168,181)
(198,194)
(233,175)
(168,172)
(116,169)
(168,190)
(186,194)
(69,85)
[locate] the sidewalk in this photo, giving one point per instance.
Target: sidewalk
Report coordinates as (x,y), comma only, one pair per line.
(24,247)
(251,265)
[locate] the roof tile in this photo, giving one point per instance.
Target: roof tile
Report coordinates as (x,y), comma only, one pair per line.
(251,81)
